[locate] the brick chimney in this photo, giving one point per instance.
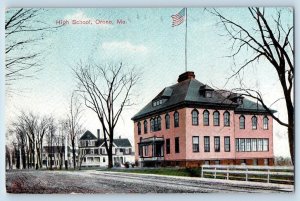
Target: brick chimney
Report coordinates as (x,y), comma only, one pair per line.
(98,134)
(185,76)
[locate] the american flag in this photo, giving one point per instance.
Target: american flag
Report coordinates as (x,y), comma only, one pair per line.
(178,18)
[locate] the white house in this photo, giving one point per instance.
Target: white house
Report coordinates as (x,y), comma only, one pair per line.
(92,152)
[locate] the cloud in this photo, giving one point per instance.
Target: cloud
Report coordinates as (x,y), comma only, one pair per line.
(125,46)
(81,16)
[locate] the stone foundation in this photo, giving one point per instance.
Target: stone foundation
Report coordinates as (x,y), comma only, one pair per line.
(199,163)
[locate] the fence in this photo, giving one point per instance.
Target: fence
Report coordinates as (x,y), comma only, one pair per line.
(274,174)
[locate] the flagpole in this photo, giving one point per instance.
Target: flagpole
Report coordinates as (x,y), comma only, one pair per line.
(186,21)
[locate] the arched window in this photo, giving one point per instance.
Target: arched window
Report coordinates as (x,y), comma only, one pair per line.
(226,118)
(216,118)
(139,128)
(266,122)
(152,124)
(176,119)
(167,117)
(242,122)
(145,126)
(195,118)
(254,122)
(206,118)
(155,124)
(158,123)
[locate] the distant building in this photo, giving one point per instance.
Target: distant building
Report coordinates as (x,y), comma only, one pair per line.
(92,152)
(58,156)
(190,124)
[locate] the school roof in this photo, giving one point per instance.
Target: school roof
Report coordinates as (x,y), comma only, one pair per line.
(189,92)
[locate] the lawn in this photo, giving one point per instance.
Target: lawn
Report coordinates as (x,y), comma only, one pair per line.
(186,172)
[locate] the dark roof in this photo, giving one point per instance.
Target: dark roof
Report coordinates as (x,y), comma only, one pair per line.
(122,142)
(88,135)
(119,142)
(187,93)
(251,106)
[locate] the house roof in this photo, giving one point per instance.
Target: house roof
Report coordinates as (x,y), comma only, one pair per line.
(122,142)
(88,135)
(119,142)
(187,93)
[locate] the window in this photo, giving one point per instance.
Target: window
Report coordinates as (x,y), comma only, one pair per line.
(195,117)
(145,126)
(158,123)
(254,144)
(247,144)
(158,102)
(242,145)
(176,144)
(217,144)
(227,144)
(208,94)
(155,124)
(259,144)
(254,122)
(226,119)
(139,128)
(168,146)
(206,144)
(242,122)
(265,144)
(206,118)
(140,150)
(217,162)
(103,159)
(152,124)
(216,115)
(167,121)
(176,119)
(266,123)
(195,144)
(145,150)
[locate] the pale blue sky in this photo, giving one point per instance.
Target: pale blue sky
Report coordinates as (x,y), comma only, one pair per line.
(148,42)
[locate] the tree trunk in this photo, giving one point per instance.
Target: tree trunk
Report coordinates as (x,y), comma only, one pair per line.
(291,136)
(23,157)
(110,159)
(73,154)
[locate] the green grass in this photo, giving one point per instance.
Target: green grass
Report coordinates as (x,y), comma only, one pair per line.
(186,172)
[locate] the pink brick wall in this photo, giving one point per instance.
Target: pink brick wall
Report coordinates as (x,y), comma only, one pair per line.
(186,130)
(211,131)
(258,133)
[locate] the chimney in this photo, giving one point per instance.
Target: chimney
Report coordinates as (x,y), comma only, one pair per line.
(98,134)
(185,76)
(120,137)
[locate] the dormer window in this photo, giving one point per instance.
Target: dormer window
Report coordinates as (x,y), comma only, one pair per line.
(206,91)
(158,102)
(239,100)
(208,94)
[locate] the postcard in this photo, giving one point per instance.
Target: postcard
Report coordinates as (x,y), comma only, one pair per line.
(149,100)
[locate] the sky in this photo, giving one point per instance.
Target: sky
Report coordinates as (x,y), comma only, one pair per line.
(148,42)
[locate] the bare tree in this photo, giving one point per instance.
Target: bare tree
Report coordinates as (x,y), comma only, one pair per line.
(50,139)
(24,30)
(29,130)
(106,90)
(41,130)
(74,124)
(271,39)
